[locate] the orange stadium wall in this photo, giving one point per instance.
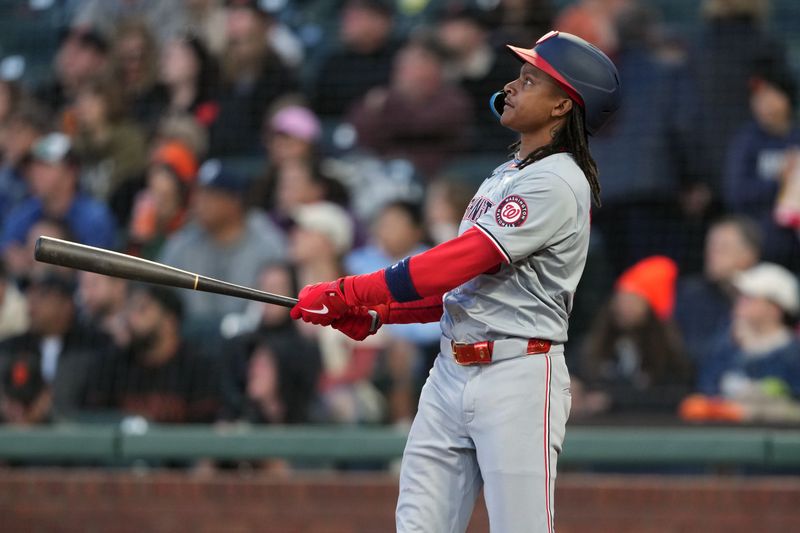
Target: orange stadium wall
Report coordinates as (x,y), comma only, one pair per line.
(100,501)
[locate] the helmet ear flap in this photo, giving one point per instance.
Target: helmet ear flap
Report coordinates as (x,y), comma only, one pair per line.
(496,103)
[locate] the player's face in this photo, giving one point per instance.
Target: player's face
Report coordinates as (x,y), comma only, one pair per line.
(533,101)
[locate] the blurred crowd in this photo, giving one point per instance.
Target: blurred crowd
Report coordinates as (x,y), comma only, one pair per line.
(278,143)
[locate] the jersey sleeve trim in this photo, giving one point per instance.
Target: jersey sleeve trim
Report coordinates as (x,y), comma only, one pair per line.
(495,242)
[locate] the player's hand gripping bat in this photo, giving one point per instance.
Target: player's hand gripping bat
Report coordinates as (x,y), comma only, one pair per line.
(82,257)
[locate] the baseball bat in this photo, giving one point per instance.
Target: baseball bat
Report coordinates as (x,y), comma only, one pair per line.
(82,257)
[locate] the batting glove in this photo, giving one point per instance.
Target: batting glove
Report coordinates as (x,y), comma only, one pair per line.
(359,322)
(320,304)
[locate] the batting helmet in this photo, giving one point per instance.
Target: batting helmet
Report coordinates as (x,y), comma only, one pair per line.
(585,73)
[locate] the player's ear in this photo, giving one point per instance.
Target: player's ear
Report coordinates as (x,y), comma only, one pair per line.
(562,107)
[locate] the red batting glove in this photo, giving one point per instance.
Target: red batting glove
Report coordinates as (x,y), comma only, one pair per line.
(320,304)
(360,322)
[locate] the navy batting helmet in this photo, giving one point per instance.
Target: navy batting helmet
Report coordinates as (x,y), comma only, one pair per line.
(585,73)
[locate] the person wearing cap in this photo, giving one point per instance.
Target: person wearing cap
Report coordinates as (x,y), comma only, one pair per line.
(62,347)
(223,239)
(492,414)
(757,158)
(761,349)
(163,207)
(53,171)
(290,137)
(633,359)
(322,236)
(253,77)
(158,375)
(362,60)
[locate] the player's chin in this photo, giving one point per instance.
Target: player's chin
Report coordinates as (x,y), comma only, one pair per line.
(507,119)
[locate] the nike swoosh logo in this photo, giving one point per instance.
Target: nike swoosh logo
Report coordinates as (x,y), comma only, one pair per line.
(323,311)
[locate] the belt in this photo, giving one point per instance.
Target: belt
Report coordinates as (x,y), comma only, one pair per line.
(485,352)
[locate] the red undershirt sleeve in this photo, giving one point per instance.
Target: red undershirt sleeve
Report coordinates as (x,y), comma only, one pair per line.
(431,273)
(422,311)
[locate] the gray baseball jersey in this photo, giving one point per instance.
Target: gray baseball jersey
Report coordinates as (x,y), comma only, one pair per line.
(538,218)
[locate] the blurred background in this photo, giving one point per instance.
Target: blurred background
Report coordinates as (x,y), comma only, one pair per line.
(276,143)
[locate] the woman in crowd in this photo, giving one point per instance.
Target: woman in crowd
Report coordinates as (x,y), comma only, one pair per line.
(633,359)
(189,74)
(162,208)
(111,147)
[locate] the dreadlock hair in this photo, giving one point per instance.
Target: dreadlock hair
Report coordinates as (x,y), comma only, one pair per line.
(572,138)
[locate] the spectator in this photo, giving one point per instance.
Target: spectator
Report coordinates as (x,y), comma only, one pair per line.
(419,116)
(225,241)
(165,17)
(24,266)
(23,126)
(399,232)
(57,342)
(290,136)
(524,21)
(633,359)
(301,183)
(158,376)
(595,21)
(184,129)
(757,159)
(272,372)
(102,301)
(253,77)
(445,203)
(207,22)
(190,75)
(362,61)
(13,306)
(704,301)
(163,207)
(110,147)
(11,95)
(25,399)
(480,70)
(760,350)
(733,40)
(280,38)
(640,189)
(82,54)
(322,237)
(53,176)
(134,57)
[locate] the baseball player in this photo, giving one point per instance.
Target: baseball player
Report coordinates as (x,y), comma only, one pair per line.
(493,411)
